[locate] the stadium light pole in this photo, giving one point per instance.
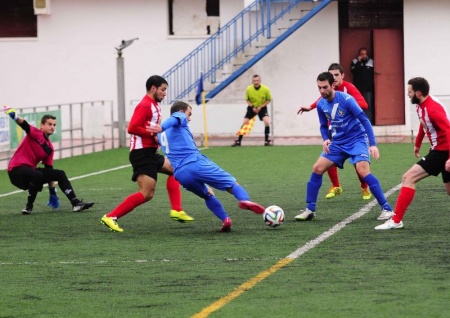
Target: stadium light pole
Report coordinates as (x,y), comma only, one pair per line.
(121,91)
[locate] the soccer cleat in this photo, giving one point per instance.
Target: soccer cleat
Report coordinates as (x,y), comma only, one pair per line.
(180,216)
(252,206)
(111,223)
(385,215)
(366,195)
(389,225)
(27,210)
(226,225)
(333,191)
(268,143)
(80,206)
(305,215)
(237,143)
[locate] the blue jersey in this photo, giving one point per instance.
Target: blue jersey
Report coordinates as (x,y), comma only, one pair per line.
(344,118)
(177,142)
(192,169)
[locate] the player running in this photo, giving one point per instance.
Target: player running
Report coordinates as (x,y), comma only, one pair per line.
(145,160)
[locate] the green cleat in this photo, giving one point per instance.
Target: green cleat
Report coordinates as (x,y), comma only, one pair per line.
(366,195)
(111,223)
(333,191)
(180,216)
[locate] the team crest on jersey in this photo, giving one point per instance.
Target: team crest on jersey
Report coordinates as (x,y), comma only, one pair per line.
(341,112)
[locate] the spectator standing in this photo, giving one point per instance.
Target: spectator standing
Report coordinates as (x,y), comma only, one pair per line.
(363,78)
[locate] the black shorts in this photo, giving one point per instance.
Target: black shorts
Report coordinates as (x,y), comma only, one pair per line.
(146,161)
(261,114)
(434,164)
(22,176)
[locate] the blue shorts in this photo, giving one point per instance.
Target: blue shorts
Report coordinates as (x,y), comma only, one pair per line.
(357,150)
(194,177)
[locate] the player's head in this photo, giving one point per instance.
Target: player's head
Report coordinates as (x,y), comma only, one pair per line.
(256,81)
(156,87)
(181,107)
(48,124)
(418,89)
(338,73)
(325,82)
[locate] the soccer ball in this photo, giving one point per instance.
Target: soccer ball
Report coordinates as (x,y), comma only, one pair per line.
(273,216)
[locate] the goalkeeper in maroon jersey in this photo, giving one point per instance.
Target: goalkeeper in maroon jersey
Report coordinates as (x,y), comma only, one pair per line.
(23,172)
(342,86)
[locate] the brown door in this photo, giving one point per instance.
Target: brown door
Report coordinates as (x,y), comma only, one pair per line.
(389,77)
(385,46)
(351,41)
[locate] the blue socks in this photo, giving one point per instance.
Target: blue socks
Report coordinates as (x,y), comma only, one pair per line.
(312,190)
(239,193)
(216,207)
(375,188)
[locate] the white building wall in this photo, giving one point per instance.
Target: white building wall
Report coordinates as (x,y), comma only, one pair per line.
(73,59)
(427,43)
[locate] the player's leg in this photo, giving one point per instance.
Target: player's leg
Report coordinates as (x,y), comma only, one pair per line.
(145,173)
(174,192)
(336,188)
(66,188)
(366,194)
(313,186)
(29,179)
(363,169)
(190,176)
(432,164)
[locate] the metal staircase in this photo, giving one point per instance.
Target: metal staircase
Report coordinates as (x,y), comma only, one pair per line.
(238,45)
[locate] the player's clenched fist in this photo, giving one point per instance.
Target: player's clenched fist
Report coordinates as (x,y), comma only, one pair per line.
(11,112)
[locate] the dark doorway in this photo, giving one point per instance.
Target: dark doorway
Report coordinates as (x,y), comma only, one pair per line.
(378,26)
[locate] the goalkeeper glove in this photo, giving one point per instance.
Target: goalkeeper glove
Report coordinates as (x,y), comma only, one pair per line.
(53,200)
(11,112)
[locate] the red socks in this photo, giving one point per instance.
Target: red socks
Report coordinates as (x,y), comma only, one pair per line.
(403,201)
(174,192)
(333,174)
(127,205)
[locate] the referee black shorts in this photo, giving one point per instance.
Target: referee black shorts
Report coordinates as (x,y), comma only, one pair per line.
(261,114)
(434,164)
(146,161)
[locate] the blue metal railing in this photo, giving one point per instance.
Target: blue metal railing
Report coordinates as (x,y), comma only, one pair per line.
(239,34)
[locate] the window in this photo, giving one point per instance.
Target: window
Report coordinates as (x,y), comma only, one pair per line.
(194,17)
(371,14)
(17,19)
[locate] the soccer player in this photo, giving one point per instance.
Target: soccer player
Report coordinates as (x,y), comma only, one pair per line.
(194,170)
(352,137)
(342,86)
(145,160)
(257,97)
(23,172)
(435,123)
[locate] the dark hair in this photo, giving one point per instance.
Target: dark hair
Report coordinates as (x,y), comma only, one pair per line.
(256,75)
(155,80)
(336,66)
(419,84)
(362,48)
(326,76)
(46,117)
(177,106)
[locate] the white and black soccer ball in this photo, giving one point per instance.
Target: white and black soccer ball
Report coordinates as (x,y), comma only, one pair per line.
(273,216)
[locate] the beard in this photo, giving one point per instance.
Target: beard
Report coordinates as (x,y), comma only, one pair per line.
(415,100)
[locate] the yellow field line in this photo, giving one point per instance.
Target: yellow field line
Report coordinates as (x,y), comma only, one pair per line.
(244,287)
